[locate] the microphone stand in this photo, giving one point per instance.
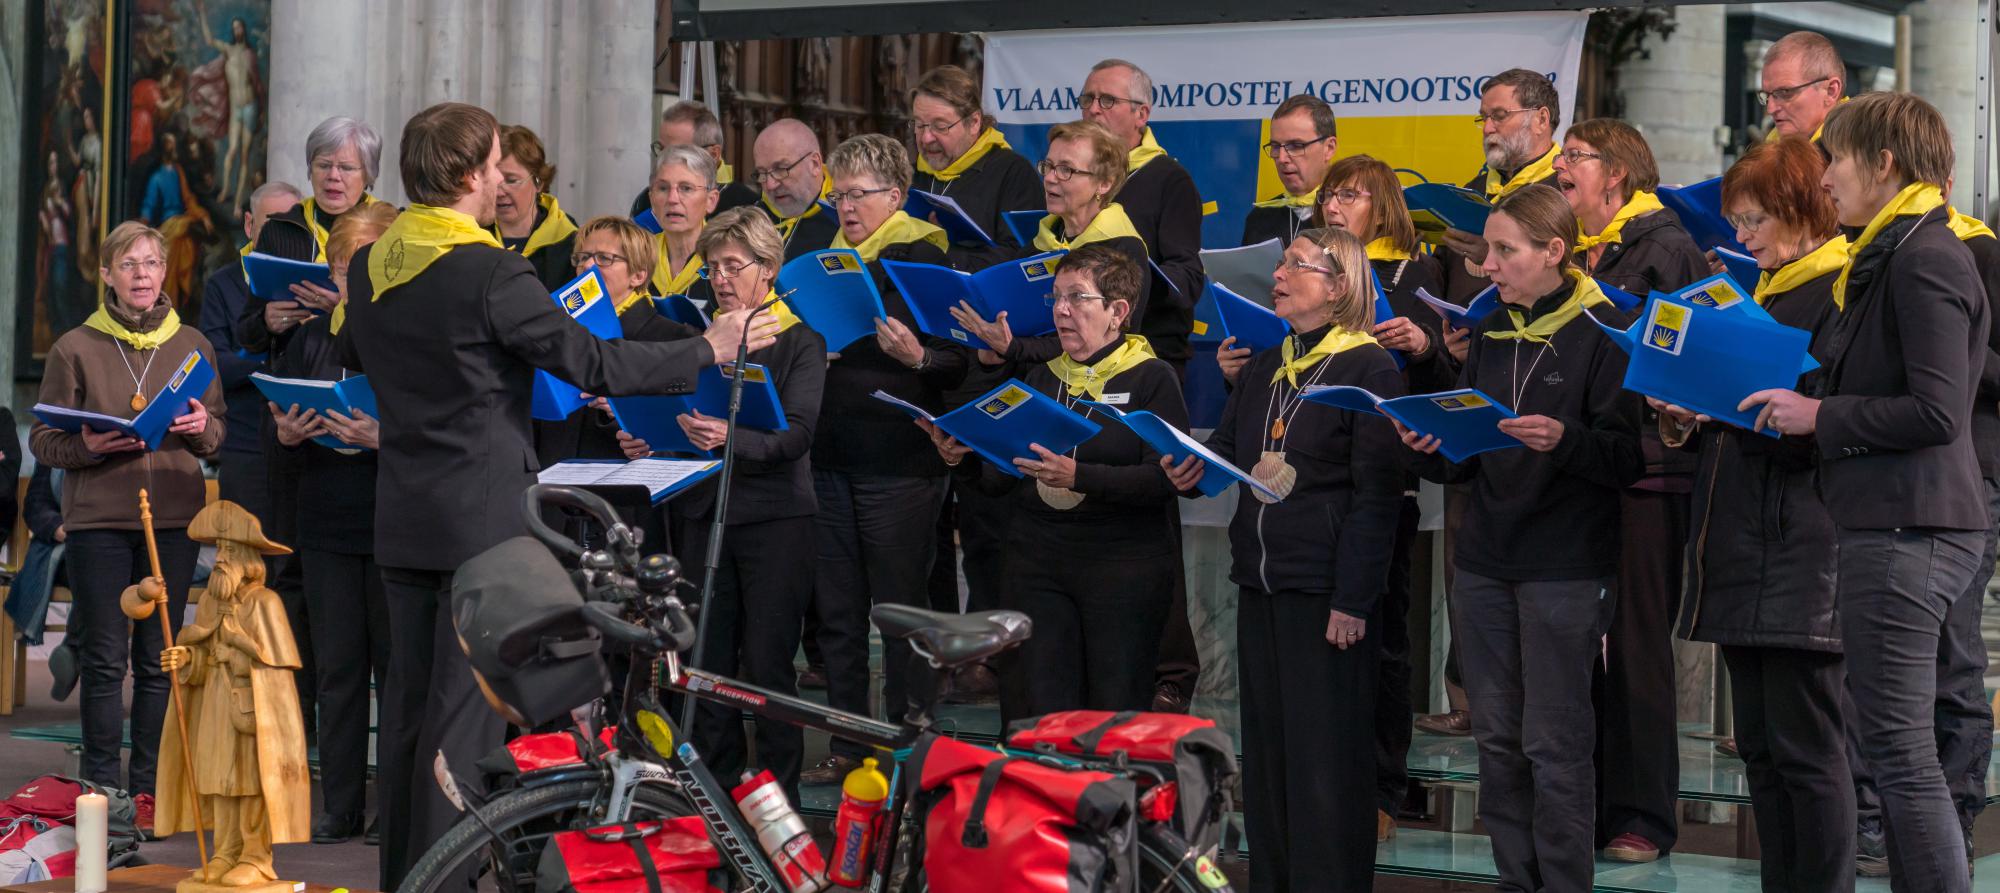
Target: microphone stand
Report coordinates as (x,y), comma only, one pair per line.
(713,564)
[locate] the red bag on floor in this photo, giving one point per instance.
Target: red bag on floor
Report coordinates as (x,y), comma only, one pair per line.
(1195,757)
(989,816)
(52,798)
(674,856)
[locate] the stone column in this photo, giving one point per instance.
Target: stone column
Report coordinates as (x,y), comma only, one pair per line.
(1943,53)
(1674,95)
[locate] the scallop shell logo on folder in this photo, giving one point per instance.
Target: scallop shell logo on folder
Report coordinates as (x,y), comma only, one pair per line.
(838,263)
(999,405)
(1667,329)
(1458,402)
(1036,270)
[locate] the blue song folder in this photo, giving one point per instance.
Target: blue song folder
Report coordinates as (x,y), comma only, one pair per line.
(1699,207)
(1024,225)
(271,278)
(682,309)
(834,295)
(1708,359)
(1000,424)
(1020,288)
(1217,474)
(652,418)
(584,300)
(1248,322)
(1436,207)
(1725,292)
(343,396)
(946,212)
(657,478)
(1465,421)
(647,221)
(1467,316)
(190,381)
(1741,267)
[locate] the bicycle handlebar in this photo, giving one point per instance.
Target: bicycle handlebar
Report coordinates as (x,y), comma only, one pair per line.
(538,495)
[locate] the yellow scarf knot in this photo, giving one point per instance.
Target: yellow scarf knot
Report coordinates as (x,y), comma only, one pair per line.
(989,140)
(1289,200)
(1079,379)
(1336,341)
(1640,204)
(103,321)
(668,282)
(1916,198)
(1586,294)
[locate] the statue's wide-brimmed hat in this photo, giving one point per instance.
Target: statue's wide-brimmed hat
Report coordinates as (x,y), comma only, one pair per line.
(224,520)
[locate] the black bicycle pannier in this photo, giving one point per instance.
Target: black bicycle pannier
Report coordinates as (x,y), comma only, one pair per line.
(519,619)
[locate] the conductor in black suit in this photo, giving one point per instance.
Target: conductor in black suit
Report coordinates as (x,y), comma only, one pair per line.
(449,327)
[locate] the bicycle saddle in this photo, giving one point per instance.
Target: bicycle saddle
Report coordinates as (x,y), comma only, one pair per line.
(953,640)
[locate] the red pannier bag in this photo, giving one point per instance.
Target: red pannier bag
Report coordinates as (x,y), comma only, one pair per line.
(998,823)
(1195,756)
(542,750)
(673,856)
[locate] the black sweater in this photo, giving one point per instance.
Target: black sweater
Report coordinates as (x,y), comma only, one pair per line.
(1284,224)
(336,487)
(773,475)
(1431,369)
(863,435)
(1001,181)
(1334,533)
(224,295)
(1128,507)
(589,433)
(1986,410)
(1165,208)
(1553,515)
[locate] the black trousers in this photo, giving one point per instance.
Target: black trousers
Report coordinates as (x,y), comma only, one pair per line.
(101,564)
(975,525)
(874,537)
(1392,691)
(751,632)
(286,573)
(430,704)
(1789,730)
(1309,778)
(1528,649)
(1097,629)
(350,631)
(1638,743)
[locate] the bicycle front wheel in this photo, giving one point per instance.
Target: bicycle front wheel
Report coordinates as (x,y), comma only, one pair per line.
(500,848)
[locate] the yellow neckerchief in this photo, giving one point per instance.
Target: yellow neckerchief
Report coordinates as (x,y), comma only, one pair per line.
(1336,341)
(1079,379)
(787,224)
(1289,200)
(724,174)
(1640,203)
(103,321)
(1534,172)
(555,227)
(667,282)
(1966,226)
(320,233)
(632,300)
(1385,249)
(986,142)
(1586,294)
(1831,255)
(780,311)
(1110,223)
(898,229)
(1916,198)
(1148,150)
(418,238)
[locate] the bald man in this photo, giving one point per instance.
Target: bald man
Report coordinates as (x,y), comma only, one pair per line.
(792,174)
(1803,80)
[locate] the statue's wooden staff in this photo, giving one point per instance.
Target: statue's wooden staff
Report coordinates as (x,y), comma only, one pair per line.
(152,594)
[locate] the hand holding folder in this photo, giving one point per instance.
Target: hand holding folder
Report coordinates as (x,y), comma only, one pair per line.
(834,294)
(1018,288)
(1176,445)
(345,396)
(1001,424)
(1706,359)
(585,301)
(150,426)
(1465,421)
(271,278)
(655,419)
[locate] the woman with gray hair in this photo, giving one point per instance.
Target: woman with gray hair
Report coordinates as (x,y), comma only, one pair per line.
(683,193)
(343,157)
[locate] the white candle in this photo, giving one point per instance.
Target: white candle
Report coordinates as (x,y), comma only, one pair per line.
(91,843)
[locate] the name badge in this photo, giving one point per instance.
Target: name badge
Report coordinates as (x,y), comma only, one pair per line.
(1116,399)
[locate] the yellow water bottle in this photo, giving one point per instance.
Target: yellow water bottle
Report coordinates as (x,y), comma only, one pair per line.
(855,826)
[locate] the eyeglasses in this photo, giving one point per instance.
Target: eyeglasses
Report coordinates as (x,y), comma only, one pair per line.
(1348,196)
(1500,116)
(325,167)
(151,266)
(514,182)
(1062,171)
(1578,156)
(854,196)
(596,258)
(1787,94)
(1748,221)
(1059,299)
(1105,102)
(1293,265)
(684,190)
(727,271)
(922,127)
(1274,149)
(779,171)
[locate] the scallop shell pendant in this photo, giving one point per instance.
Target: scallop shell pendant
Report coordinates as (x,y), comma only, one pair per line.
(1274,472)
(138,402)
(1061,499)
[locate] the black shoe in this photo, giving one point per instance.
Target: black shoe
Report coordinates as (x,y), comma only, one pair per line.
(1167,698)
(63,669)
(373,836)
(1871,851)
(336,828)
(973,684)
(832,770)
(813,677)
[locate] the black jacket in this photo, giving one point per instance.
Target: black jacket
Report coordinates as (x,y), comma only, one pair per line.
(223,298)
(1000,181)
(1128,509)
(1986,410)
(1553,515)
(1895,430)
(1655,254)
(10,471)
(862,435)
(1284,224)
(773,477)
(1334,533)
(1431,369)
(552,261)
(336,502)
(814,233)
(1760,554)
(1165,208)
(588,433)
(451,354)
